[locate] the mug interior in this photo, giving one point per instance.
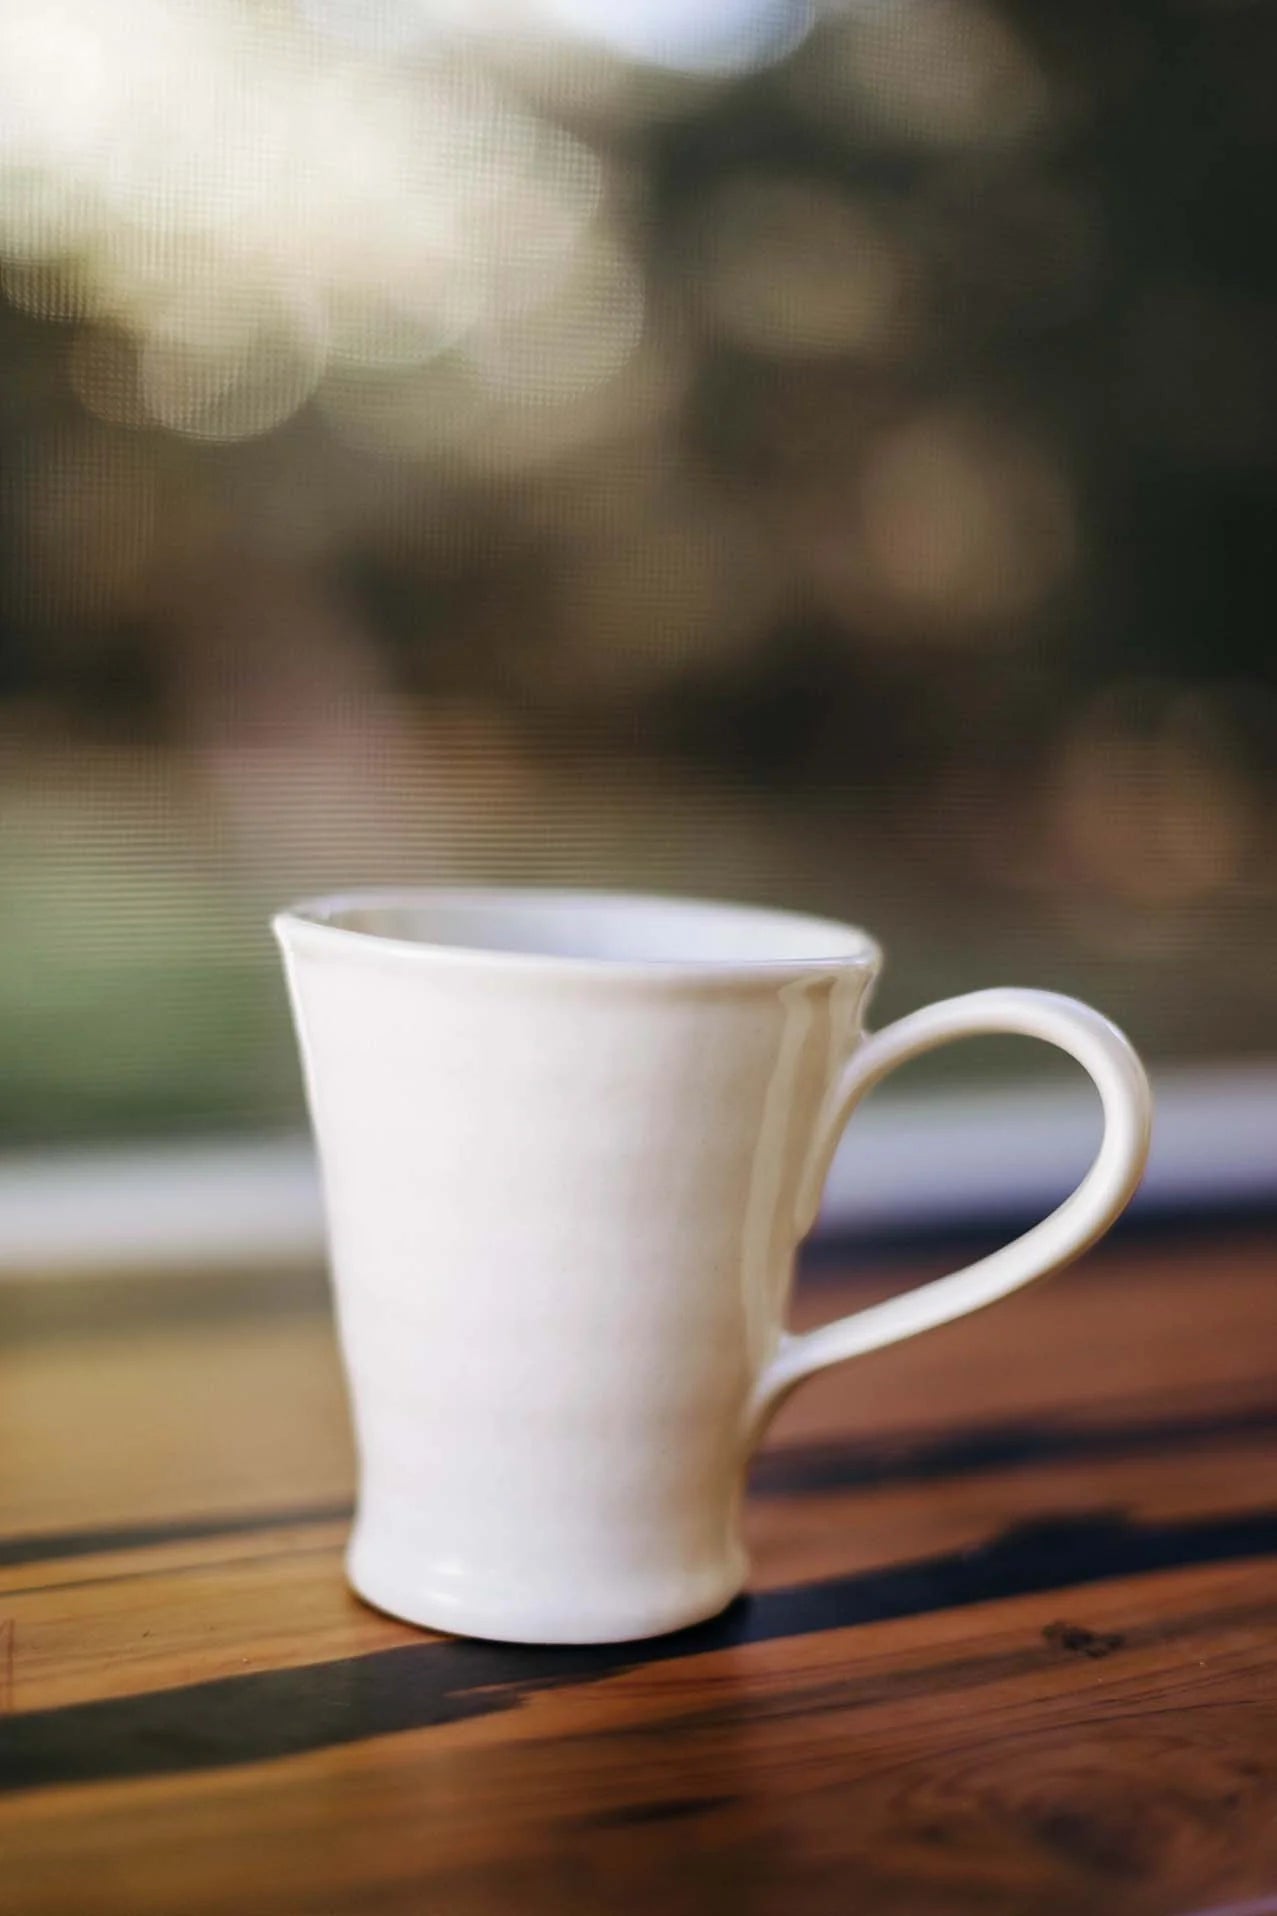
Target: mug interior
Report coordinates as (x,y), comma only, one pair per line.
(592,927)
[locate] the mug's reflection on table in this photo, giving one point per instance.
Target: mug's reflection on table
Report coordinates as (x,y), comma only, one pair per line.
(1012,1645)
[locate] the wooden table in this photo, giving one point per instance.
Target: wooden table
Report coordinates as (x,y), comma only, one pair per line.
(1012,1647)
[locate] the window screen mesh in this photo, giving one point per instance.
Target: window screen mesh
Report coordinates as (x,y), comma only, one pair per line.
(819,456)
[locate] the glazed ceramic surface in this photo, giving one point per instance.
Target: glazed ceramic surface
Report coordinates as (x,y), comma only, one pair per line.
(569,1144)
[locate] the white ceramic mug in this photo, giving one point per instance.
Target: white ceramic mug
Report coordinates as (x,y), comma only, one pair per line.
(569,1143)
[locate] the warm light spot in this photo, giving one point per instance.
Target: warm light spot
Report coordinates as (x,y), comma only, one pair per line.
(251,204)
(962,523)
(791,266)
(576,340)
(1149,806)
(932,73)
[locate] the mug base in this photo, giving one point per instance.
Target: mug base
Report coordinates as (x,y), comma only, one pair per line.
(416,1602)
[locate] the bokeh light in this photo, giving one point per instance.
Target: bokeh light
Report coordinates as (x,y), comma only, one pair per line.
(960,529)
(819,450)
(935,74)
(251,204)
(696,36)
(790,266)
(1149,806)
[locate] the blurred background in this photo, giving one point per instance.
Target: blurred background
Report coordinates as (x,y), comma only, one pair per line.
(817,454)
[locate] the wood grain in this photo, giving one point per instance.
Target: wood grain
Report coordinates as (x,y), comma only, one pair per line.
(1012,1645)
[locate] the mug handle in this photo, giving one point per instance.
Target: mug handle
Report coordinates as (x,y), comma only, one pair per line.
(1101,1196)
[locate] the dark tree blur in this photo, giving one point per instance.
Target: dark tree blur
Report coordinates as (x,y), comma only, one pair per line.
(834,461)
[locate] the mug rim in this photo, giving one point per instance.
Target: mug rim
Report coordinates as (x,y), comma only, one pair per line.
(313,922)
